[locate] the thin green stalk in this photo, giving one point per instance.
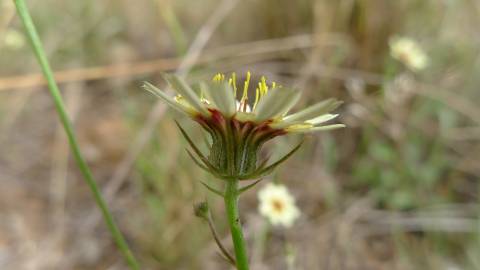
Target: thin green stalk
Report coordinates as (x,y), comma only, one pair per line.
(261,240)
(173,24)
(217,240)
(231,205)
(59,106)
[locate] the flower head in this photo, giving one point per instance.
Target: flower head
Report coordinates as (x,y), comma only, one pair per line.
(278,205)
(408,52)
(240,121)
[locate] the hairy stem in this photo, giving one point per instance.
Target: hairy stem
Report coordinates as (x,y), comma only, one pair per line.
(60,107)
(231,205)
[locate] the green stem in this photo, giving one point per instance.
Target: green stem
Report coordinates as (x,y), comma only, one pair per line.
(231,205)
(59,106)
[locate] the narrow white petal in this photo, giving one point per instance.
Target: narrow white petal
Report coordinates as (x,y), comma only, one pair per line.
(186,92)
(315,121)
(276,103)
(314,110)
(221,94)
(321,119)
(169,100)
(283,124)
(313,129)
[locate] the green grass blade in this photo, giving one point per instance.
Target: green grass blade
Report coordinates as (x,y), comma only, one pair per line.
(60,107)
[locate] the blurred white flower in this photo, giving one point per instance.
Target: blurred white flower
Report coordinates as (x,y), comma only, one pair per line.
(278,205)
(408,52)
(13,39)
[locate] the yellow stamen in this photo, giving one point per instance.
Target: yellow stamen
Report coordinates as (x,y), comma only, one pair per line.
(234,82)
(260,91)
(245,88)
(264,86)
(257,98)
(219,77)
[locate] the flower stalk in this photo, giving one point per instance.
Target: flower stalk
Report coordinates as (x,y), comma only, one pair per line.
(233,217)
(238,129)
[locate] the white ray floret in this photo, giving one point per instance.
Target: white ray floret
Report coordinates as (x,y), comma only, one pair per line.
(271,104)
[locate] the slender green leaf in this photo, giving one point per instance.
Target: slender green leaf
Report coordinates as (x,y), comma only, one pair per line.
(199,164)
(214,190)
(267,170)
(67,126)
(247,187)
(196,150)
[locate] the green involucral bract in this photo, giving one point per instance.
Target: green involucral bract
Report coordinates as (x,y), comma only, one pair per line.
(239,128)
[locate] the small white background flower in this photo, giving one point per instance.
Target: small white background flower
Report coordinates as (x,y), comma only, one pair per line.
(13,39)
(278,205)
(409,52)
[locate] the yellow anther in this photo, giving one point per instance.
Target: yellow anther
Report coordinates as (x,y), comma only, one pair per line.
(234,80)
(264,84)
(260,89)
(257,98)
(219,77)
(178,98)
(245,87)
